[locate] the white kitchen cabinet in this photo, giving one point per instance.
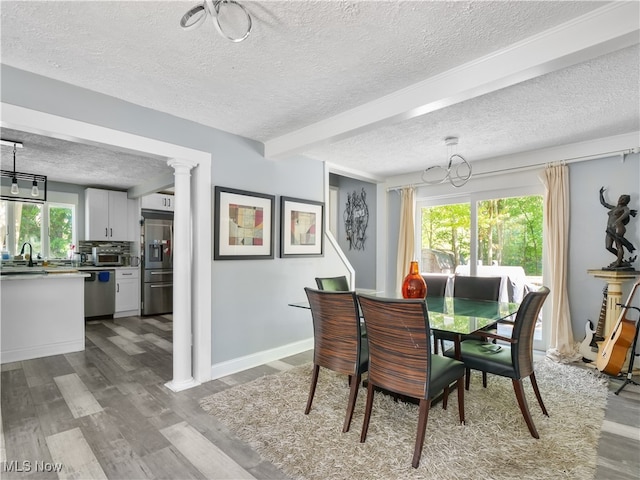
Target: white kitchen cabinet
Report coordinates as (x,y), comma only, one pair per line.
(127,290)
(158,201)
(106,215)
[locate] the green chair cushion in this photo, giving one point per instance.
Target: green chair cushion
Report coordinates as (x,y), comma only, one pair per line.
(486,357)
(444,371)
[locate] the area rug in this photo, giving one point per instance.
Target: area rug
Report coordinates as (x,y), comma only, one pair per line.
(495,443)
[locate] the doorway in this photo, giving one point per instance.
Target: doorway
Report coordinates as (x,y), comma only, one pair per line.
(28,120)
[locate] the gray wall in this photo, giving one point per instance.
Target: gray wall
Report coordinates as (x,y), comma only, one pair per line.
(362,261)
(587,231)
(249,298)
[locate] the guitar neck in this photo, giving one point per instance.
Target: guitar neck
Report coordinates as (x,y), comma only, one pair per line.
(599,335)
(624,310)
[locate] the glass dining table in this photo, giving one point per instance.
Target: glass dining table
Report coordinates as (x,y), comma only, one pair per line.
(458,316)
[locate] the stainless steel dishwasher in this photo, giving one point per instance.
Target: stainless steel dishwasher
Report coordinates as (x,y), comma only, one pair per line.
(99,293)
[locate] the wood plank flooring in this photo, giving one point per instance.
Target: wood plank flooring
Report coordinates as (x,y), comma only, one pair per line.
(105,413)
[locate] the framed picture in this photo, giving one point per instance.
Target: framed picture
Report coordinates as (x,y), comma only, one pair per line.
(243,225)
(301,224)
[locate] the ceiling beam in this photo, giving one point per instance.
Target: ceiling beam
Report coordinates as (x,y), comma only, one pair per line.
(602,31)
(153,185)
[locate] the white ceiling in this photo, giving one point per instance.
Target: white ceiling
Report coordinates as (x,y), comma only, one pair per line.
(369,86)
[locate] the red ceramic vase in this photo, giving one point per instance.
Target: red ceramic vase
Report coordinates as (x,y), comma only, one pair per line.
(413,285)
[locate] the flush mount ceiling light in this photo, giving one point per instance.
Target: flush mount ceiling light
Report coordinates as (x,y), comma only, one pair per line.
(234,16)
(457,172)
(20,181)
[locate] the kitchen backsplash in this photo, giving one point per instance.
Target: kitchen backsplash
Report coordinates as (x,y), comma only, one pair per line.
(85,247)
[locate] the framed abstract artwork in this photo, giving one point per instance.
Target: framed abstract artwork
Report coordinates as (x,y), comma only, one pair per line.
(301,227)
(243,225)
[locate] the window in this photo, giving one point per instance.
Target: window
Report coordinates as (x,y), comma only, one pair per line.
(49,228)
(445,241)
(489,236)
(508,233)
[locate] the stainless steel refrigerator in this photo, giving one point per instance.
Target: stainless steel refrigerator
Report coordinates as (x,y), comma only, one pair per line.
(157,262)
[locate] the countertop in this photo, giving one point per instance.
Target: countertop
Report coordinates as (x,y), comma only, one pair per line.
(43,274)
(51,272)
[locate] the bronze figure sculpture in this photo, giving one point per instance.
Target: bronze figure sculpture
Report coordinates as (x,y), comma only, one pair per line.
(619,216)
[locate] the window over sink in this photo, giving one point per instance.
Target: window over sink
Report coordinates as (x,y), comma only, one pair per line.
(50,228)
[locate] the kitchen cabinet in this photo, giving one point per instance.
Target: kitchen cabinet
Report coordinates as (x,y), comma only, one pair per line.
(158,201)
(106,215)
(127,291)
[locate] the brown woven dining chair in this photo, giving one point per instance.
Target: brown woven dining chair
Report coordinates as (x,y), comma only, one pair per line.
(336,284)
(400,360)
(338,342)
(514,360)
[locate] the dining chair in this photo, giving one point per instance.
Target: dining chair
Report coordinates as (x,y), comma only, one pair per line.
(338,342)
(400,360)
(436,285)
(475,288)
(336,284)
(514,360)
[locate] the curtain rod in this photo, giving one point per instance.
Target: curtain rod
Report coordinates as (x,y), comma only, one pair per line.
(583,158)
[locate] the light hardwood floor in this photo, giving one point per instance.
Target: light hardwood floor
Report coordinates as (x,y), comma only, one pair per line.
(105,413)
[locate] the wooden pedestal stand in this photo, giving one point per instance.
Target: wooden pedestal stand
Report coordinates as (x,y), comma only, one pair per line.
(614,279)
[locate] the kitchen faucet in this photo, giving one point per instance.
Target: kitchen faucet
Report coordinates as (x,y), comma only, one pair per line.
(30,252)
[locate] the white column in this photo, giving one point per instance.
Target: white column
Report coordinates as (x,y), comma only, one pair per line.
(182,256)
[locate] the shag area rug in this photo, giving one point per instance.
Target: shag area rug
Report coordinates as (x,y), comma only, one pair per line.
(495,443)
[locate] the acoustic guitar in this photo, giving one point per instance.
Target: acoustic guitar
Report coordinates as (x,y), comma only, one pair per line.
(614,351)
(590,344)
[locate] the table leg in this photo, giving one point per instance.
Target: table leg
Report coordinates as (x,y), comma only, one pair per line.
(457,338)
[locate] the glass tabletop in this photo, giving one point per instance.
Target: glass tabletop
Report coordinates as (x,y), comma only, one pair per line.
(456,315)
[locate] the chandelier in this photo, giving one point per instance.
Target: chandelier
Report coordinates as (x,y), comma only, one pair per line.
(457,171)
(18,186)
(234,16)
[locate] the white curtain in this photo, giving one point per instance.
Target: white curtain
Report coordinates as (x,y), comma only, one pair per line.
(406,236)
(562,347)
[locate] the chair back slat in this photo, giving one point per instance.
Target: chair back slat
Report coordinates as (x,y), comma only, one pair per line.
(399,347)
(336,330)
(436,285)
(477,288)
(523,330)
(336,284)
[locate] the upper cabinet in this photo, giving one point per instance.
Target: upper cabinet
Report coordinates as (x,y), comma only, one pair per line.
(158,201)
(106,215)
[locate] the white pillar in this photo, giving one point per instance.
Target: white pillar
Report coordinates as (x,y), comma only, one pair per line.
(182,257)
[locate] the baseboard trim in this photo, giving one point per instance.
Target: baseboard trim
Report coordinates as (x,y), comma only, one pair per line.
(39,351)
(239,364)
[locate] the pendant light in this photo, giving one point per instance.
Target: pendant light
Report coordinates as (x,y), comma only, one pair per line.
(35,191)
(457,171)
(38,191)
(14,181)
(235,17)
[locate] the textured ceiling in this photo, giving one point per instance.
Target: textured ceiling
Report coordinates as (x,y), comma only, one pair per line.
(64,161)
(307,61)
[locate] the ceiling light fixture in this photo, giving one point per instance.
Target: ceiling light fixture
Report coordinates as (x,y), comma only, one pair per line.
(35,195)
(234,15)
(458,171)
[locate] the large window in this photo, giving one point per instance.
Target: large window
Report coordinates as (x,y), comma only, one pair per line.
(49,228)
(446,236)
(488,236)
(508,232)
